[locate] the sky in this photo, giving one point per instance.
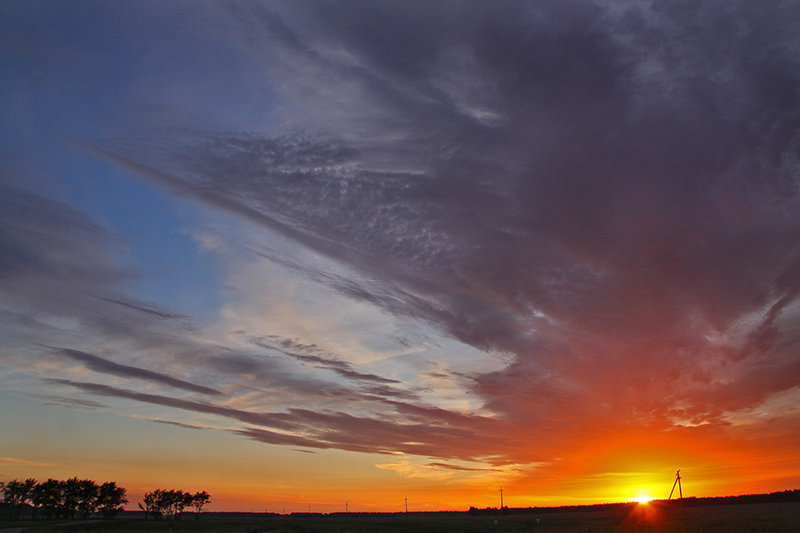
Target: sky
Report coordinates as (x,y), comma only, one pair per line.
(317,255)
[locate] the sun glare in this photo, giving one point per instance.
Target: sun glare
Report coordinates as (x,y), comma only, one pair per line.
(642,499)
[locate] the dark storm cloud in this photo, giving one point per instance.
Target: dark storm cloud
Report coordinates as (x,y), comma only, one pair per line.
(98,364)
(604,193)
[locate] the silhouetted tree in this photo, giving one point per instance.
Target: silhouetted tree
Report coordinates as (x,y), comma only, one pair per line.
(200,499)
(174,501)
(70,496)
(87,497)
(110,499)
(47,497)
(188,500)
(16,494)
(62,499)
(149,506)
(160,503)
(169,503)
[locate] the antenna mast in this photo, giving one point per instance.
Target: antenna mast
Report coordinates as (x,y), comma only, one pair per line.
(678,483)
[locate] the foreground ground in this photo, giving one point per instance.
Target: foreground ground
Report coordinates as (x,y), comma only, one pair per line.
(750,518)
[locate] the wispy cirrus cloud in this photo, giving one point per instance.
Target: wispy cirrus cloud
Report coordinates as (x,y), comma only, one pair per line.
(178,424)
(278,420)
(311,354)
(98,364)
(449,466)
(17,461)
(145,308)
(590,201)
(384,433)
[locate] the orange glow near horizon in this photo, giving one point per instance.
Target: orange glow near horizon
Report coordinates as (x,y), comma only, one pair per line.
(253,477)
(366,488)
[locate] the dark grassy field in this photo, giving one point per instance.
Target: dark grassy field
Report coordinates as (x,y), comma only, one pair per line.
(750,518)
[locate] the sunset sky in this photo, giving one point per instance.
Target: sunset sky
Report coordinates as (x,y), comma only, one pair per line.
(313,254)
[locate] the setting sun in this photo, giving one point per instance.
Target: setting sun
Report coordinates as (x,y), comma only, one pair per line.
(642,499)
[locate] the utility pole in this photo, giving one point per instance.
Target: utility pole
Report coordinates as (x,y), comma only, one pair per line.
(678,483)
(406,505)
(501,498)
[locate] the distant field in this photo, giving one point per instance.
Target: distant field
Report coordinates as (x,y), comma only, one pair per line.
(749,518)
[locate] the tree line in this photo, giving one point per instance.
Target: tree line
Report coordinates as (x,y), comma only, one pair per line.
(170,504)
(70,498)
(82,498)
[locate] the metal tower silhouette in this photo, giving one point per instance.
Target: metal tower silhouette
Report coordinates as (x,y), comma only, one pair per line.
(678,483)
